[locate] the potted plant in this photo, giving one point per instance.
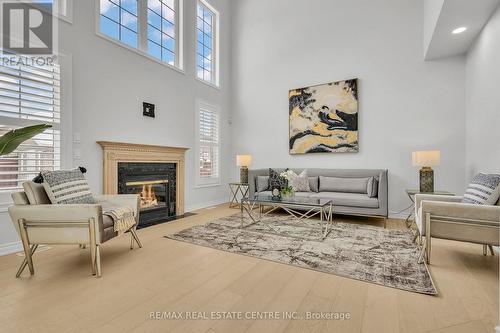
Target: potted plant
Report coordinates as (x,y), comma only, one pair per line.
(12,139)
(287,191)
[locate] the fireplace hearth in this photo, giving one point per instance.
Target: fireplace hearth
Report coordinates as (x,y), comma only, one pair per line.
(156,185)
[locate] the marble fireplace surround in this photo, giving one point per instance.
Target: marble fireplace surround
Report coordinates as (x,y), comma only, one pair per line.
(115,152)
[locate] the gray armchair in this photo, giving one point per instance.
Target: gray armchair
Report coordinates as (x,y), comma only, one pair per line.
(446,217)
(40,222)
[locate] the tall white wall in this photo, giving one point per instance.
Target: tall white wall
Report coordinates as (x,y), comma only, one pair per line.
(109,84)
(405,104)
(483,101)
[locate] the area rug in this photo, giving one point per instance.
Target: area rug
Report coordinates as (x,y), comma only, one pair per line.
(362,252)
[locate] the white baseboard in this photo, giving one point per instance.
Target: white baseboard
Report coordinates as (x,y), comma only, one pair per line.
(497,329)
(190,208)
(9,248)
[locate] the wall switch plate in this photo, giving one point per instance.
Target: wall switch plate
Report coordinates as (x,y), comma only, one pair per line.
(77,155)
(148,109)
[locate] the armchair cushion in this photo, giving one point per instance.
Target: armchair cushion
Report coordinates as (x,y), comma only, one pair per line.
(36,193)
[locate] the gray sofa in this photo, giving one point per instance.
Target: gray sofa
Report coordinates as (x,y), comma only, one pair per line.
(347,188)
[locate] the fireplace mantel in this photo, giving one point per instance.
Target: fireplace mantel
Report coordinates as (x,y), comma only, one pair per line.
(115,152)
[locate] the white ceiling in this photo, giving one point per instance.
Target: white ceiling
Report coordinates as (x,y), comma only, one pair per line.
(439,22)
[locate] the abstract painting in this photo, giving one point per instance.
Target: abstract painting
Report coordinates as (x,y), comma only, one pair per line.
(324,118)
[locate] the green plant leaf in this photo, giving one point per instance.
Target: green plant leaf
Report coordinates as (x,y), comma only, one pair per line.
(11,140)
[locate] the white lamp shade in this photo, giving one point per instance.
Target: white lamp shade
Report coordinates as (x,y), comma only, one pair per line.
(426,158)
(243,160)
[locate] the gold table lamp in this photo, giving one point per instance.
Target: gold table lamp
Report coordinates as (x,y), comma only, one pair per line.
(243,161)
(426,160)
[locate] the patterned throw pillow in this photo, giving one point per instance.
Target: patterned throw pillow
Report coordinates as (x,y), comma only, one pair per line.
(275,181)
(300,183)
(67,187)
(484,189)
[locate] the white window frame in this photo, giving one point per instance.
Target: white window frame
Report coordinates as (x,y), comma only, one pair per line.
(64,10)
(142,33)
(215,45)
(65,122)
(211,181)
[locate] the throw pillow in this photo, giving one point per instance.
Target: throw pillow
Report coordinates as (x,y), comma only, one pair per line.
(484,189)
(300,183)
(275,181)
(314,184)
(262,183)
(345,185)
(67,187)
(372,189)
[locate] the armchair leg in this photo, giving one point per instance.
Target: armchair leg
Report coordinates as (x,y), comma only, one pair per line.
(485,250)
(98,260)
(422,252)
(92,246)
(136,238)
(26,246)
(491,250)
(25,261)
(428,237)
(82,246)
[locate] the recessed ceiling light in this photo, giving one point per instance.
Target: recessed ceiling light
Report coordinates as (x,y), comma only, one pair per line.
(459,30)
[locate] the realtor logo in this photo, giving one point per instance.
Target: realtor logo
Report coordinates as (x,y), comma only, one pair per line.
(27,28)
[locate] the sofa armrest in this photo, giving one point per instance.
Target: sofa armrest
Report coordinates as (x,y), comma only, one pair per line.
(431,197)
(484,213)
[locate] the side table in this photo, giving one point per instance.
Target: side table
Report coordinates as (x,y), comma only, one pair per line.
(236,189)
(411,194)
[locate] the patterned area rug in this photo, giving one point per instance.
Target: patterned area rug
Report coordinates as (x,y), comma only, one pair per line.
(372,254)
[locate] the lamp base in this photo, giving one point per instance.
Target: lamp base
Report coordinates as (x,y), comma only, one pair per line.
(426,180)
(244,175)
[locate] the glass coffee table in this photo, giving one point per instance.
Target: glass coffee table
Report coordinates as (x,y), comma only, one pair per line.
(301,209)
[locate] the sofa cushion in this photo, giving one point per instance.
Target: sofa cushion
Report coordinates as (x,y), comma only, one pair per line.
(36,193)
(262,183)
(484,189)
(372,188)
(67,187)
(344,185)
(348,199)
(314,184)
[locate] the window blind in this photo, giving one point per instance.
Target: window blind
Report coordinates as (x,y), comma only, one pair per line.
(29,95)
(209,143)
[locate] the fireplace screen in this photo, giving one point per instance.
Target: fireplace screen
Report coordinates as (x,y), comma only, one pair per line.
(155,183)
(153,194)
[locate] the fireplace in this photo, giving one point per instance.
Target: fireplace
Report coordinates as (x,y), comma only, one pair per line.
(155,183)
(155,173)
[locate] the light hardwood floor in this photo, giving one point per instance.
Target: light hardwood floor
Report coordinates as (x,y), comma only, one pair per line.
(167,275)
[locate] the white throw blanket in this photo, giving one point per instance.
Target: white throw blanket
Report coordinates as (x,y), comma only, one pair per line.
(123,218)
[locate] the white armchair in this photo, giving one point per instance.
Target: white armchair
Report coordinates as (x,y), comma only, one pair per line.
(40,222)
(447,217)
